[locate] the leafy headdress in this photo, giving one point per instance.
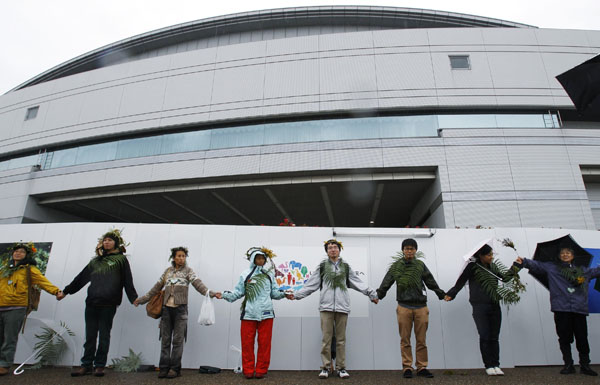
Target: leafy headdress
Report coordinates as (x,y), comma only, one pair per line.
(333,241)
(105,263)
(255,283)
(268,253)
(8,265)
(117,236)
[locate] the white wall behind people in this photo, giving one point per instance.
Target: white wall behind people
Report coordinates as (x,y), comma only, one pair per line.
(217,256)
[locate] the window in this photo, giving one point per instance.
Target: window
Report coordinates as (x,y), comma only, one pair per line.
(31,112)
(460,62)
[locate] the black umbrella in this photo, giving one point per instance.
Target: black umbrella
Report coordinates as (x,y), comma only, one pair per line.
(548,252)
(582,84)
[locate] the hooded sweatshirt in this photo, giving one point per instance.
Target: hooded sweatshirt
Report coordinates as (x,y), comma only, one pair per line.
(334,299)
(261,307)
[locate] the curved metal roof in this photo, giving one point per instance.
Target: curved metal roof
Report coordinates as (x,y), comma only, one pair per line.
(362,16)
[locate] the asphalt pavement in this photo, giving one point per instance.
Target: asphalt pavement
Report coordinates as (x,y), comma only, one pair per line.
(546,375)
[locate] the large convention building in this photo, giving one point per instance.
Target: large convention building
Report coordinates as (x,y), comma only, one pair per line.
(318,116)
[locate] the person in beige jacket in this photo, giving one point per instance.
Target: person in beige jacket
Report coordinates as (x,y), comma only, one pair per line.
(173,322)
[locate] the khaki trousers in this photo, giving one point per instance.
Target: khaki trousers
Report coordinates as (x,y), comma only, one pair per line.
(328,320)
(406,319)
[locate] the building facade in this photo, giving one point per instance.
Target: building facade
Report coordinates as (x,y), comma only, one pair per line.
(321,116)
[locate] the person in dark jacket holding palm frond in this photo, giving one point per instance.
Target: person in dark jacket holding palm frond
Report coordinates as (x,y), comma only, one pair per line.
(411,276)
(485,295)
(108,273)
(258,287)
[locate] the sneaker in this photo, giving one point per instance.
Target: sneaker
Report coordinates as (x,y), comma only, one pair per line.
(498,371)
(81,371)
(568,369)
(490,371)
(324,374)
(343,373)
(585,369)
(407,373)
(424,373)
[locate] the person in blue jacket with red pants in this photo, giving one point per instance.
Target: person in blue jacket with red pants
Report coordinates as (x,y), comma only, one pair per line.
(258,287)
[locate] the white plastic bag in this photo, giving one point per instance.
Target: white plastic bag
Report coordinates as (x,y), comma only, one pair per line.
(207,312)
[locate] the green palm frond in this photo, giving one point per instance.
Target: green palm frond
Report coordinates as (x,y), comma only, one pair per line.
(253,289)
(573,274)
(500,283)
(129,363)
(408,274)
(110,262)
(332,278)
(50,346)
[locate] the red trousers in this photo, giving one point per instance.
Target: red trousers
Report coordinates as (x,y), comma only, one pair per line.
(248,334)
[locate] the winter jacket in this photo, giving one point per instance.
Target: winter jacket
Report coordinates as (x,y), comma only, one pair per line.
(106,287)
(334,299)
(176,283)
(15,292)
(564,295)
(476,293)
(416,296)
(261,307)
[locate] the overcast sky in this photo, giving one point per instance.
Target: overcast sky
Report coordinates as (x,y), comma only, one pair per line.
(37,35)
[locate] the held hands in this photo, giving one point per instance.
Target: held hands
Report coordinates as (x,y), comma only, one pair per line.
(136,303)
(289,296)
(447,298)
(375,301)
(219,295)
(60,295)
(519,260)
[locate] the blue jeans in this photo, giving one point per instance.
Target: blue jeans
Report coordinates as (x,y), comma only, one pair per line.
(98,322)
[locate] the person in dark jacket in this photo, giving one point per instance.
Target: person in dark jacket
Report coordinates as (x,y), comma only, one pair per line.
(108,273)
(486,305)
(568,285)
(411,276)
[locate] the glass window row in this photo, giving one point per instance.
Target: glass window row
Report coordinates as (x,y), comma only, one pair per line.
(278,133)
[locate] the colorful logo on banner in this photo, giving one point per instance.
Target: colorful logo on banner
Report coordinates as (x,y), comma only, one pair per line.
(594,289)
(291,275)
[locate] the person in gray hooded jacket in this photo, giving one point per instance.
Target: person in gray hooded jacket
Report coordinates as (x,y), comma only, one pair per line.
(333,277)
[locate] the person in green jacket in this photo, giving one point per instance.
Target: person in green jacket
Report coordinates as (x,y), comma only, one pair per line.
(411,276)
(258,287)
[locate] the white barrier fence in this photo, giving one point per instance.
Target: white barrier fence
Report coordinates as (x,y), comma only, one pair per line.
(217,255)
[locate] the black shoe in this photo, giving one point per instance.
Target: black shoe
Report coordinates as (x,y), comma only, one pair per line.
(407,374)
(568,369)
(585,369)
(163,373)
(425,373)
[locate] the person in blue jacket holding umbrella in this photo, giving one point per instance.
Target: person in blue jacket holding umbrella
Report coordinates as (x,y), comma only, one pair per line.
(258,287)
(568,286)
